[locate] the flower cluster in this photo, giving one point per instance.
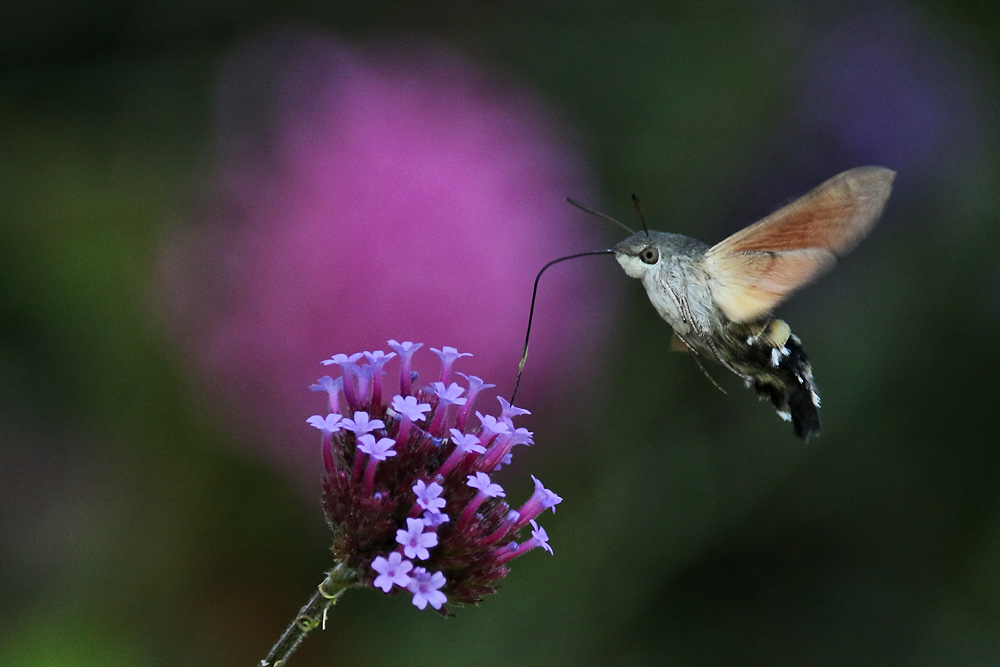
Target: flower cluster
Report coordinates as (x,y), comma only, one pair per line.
(408,491)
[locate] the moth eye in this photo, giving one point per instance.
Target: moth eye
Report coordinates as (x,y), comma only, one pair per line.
(650,255)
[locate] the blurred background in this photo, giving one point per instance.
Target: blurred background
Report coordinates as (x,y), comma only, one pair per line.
(201,200)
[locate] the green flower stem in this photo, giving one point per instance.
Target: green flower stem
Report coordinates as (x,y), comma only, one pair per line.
(338,580)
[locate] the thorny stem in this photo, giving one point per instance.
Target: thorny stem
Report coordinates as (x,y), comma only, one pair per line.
(338,580)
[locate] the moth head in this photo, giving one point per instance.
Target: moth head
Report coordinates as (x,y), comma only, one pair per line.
(639,254)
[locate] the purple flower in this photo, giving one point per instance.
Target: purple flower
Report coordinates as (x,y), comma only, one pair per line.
(485,489)
(425,588)
(392,571)
(476,385)
(327,154)
(362,424)
(508,411)
(542,499)
(539,538)
(409,408)
(446,396)
(411,411)
(343,360)
(429,496)
(449,394)
(466,443)
(434,519)
(491,425)
(405,351)
(481,482)
(391,486)
(448,356)
(328,424)
(380,450)
(875,84)
(378,358)
(415,541)
(333,389)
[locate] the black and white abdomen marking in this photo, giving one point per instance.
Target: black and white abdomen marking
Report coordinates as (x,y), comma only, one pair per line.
(783,375)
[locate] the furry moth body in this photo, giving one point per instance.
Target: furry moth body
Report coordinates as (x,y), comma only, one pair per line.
(718,299)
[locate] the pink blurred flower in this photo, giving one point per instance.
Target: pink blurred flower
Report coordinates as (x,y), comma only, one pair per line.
(365,194)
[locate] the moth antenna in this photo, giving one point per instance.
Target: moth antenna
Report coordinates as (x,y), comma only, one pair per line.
(591,211)
(638,210)
(534,294)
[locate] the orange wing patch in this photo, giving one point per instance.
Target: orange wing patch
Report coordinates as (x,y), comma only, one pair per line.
(758,267)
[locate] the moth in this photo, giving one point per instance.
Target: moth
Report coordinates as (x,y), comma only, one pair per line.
(719,299)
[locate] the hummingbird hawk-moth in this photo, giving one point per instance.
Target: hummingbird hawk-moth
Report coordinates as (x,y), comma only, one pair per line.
(719,299)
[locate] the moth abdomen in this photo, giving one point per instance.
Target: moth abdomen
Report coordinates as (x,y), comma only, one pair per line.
(788,383)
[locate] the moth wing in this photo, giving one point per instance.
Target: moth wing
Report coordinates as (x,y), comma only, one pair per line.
(835,216)
(758,267)
(748,284)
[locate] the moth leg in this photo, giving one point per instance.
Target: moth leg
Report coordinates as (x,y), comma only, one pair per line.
(707,338)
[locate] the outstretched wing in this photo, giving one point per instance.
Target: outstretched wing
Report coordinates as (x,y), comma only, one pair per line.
(760,266)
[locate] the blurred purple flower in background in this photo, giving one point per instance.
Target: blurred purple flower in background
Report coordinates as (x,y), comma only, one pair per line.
(873,84)
(362,193)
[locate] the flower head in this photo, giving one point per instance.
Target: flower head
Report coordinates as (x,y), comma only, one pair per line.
(392,484)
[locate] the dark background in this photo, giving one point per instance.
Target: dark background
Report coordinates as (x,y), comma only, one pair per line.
(695,530)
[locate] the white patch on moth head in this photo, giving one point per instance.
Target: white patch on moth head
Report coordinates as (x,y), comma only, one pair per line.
(634,267)
(775,357)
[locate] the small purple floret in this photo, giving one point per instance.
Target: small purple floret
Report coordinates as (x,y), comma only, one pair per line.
(379,450)
(362,425)
(508,411)
(450,394)
(415,541)
(435,519)
(481,482)
(542,499)
(405,351)
(333,389)
(425,587)
(409,407)
(429,496)
(540,537)
(491,425)
(448,356)
(342,359)
(467,442)
(329,424)
(392,571)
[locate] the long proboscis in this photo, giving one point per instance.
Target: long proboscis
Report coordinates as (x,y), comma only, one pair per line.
(531,310)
